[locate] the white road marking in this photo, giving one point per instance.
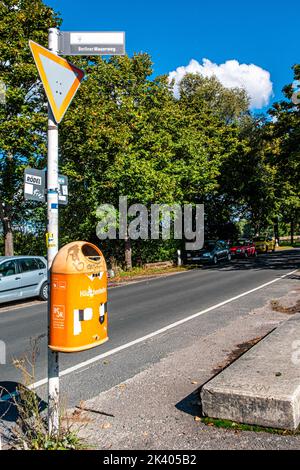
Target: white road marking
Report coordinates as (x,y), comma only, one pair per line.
(87,363)
(24,304)
(157,332)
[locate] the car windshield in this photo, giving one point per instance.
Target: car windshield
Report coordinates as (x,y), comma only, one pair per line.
(208,246)
(259,239)
(238,243)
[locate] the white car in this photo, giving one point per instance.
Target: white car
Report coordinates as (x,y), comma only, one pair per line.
(22,277)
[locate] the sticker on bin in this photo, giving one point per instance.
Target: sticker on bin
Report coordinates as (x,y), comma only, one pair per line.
(102,312)
(80,316)
(95,275)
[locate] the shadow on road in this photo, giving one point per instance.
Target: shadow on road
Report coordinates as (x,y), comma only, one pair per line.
(22,303)
(190,404)
(280,260)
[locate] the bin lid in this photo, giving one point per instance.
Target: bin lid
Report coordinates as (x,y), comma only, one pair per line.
(79,258)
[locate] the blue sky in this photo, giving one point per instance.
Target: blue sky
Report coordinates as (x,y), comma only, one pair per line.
(264,33)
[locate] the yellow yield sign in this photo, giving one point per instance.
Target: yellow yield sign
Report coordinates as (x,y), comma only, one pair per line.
(60,78)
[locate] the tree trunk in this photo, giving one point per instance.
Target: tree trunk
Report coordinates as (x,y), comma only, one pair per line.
(128,253)
(8,237)
(139,260)
(292,231)
(276,230)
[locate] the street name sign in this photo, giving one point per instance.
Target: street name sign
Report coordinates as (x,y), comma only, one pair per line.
(91,43)
(60,79)
(34,184)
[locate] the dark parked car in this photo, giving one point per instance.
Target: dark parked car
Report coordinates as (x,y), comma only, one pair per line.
(212,252)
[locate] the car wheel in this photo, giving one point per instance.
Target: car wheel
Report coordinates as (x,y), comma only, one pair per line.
(44,291)
(266,249)
(215,260)
(246,254)
(229,257)
(255,254)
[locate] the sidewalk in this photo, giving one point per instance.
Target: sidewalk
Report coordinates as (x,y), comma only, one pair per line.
(159,407)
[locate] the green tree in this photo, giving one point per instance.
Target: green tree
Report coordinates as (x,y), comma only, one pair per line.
(23,115)
(215,116)
(284,155)
(122,146)
(137,140)
(229,104)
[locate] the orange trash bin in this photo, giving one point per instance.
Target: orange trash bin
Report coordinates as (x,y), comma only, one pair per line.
(78,296)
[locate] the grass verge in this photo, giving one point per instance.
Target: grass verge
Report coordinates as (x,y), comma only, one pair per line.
(227,424)
(136,273)
(288,246)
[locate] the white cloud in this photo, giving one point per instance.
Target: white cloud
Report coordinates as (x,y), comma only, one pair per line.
(255,80)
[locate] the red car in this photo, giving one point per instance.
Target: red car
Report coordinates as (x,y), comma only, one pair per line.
(242,248)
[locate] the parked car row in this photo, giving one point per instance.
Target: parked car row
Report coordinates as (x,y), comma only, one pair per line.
(22,277)
(215,250)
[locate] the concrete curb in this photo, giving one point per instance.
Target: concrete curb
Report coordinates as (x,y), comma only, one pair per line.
(263,386)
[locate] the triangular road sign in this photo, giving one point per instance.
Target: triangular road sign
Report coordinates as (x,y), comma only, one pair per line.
(60,78)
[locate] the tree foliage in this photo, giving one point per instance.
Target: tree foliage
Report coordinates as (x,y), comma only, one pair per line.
(126,134)
(23,114)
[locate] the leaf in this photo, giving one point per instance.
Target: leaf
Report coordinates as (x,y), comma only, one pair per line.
(106,426)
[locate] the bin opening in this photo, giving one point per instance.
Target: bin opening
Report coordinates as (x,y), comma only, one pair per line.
(90,252)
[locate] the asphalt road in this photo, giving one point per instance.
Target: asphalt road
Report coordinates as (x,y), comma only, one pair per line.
(139,309)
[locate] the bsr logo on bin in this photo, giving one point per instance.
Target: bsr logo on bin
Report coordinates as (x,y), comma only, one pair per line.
(59,312)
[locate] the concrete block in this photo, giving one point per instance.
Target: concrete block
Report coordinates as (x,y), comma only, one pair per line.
(262,387)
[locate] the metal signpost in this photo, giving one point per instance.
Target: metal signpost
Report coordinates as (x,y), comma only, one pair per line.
(52,248)
(61,81)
